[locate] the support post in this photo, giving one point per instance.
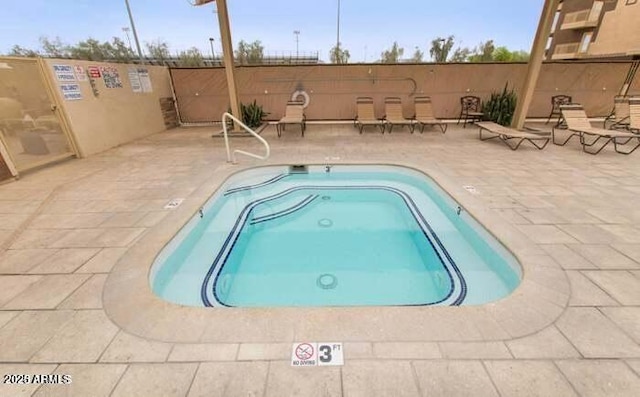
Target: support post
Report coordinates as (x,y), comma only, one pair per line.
(227,54)
(535,62)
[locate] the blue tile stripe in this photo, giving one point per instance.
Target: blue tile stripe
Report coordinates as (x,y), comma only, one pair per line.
(457,282)
(307,200)
(257,185)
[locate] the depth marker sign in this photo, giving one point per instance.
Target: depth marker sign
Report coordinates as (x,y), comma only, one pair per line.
(309,354)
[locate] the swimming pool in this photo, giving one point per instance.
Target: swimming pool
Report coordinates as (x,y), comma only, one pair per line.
(347,235)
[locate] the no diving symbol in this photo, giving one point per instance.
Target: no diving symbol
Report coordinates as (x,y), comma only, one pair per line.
(304,351)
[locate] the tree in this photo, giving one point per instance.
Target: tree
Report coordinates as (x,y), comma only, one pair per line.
(440,48)
(417,56)
(191,57)
(158,50)
(54,48)
(90,50)
(520,56)
(483,52)
(461,54)
(339,55)
(392,55)
(19,51)
(120,51)
(249,53)
(502,54)
(94,50)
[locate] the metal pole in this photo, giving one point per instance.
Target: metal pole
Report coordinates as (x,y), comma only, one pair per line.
(338,57)
(297,33)
(126,31)
(135,34)
(213,53)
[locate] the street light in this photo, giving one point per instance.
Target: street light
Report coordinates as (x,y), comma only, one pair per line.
(126,31)
(297,33)
(213,53)
(133,28)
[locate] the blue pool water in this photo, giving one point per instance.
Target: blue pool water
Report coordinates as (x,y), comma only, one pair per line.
(354,236)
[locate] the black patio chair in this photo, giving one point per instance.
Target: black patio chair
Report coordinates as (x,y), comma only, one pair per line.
(470,110)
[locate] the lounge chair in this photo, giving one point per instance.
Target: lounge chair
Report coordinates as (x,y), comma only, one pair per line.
(634,115)
(293,114)
(424,114)
(511,137)
(578,125)
(393,114)
(365,114)
(556,102)
(470,110)
(619,117)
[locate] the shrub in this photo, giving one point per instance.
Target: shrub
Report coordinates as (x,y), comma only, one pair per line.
(252,114)
(501,106)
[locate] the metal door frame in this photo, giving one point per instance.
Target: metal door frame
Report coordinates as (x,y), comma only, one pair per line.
(56,108)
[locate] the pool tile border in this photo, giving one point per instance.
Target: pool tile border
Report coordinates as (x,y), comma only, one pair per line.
(537,302)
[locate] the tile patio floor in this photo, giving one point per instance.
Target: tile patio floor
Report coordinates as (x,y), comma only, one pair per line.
(63,228)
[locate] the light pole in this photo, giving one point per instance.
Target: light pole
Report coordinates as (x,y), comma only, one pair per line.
(126,31)
(213,53)
(297,33)
(133,28)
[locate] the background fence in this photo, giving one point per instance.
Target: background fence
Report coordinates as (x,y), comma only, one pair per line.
(202,94)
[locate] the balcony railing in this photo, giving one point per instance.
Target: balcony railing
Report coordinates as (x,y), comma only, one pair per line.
(583,19)
(566,51)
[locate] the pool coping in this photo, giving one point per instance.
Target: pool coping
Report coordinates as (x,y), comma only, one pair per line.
(536,303)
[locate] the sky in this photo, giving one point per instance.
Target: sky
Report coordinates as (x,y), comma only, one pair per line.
(366,27)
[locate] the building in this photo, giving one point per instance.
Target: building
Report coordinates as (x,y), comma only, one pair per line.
(595,29)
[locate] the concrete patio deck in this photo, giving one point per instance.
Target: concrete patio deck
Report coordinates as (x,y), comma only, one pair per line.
(64,228)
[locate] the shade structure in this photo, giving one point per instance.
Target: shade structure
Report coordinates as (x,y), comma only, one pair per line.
(535,62)
(227,54)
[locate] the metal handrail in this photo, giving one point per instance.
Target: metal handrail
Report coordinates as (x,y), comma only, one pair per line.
(231,156)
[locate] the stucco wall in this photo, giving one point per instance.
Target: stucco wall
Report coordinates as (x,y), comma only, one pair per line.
(202,93)
(116,115)
(619,32)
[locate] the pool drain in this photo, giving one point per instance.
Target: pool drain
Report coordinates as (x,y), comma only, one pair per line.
(327,281)
(326,197)
(325,222)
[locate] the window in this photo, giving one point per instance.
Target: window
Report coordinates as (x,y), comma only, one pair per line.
(584,44)
(555,21)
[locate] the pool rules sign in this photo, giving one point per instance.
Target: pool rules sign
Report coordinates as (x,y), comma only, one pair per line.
(307,354)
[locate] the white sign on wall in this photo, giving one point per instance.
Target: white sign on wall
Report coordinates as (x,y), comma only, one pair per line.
(145,80)
(80,74)
(134,80)
(64,72)
(71,92)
